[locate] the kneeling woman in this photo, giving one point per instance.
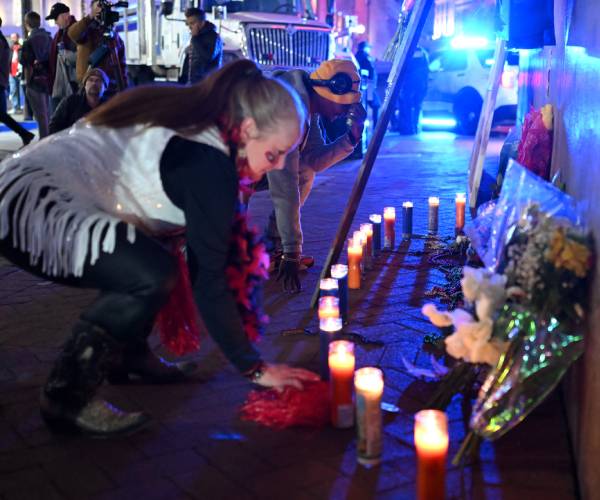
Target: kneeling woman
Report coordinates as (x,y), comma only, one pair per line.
(85,208)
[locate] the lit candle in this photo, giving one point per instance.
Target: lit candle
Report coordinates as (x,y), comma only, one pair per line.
(328,328)
(461,202)
(407,219)
(367,231)
(360,239)
(431,441)
(341,366)
(389,217)
(354,260)
(434,206)
(340,273)
(375,219)
(329,307)
(368,383)
(328,286)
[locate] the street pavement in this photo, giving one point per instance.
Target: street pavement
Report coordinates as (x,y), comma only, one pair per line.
(198,448)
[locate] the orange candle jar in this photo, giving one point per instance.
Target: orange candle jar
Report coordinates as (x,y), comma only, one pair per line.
(461,202)
(354,261)
(341,369)
(389,222)
(431,441)
(367,231)
(329,307)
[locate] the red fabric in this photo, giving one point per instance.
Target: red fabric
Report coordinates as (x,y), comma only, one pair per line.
(535,147)
(178,321)
(290,408)
(14,62)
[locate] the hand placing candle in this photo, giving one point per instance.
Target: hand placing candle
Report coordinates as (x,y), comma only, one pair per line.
(431,441)
(341,367)
(368,383)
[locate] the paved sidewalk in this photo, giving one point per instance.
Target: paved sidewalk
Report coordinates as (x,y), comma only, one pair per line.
(198,447)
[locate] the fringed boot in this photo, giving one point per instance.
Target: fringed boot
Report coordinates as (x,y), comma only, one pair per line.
(66,401)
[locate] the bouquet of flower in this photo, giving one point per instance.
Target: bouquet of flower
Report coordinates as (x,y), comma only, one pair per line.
(525,321)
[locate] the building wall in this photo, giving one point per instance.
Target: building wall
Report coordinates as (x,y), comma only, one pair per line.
(567,77)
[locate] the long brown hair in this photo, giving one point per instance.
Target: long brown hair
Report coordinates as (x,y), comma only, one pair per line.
(238,90)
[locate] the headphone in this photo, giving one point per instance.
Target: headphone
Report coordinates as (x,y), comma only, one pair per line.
(338,84)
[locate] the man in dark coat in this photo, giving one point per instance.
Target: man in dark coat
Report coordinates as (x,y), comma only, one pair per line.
(76,106)
(367,63)
(205,52)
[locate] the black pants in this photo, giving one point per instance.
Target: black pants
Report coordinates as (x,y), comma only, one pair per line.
(134,282)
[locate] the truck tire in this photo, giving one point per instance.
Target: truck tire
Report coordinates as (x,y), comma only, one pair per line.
(467,108)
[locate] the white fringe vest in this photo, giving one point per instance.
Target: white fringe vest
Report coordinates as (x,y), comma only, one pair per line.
(71,189)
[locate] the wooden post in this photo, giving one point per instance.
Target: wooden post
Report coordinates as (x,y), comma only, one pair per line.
(485,123)
(397,72)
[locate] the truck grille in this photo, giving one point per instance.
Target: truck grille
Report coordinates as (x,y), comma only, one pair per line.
(287,47)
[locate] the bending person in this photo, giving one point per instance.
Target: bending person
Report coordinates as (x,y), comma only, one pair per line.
(86,208)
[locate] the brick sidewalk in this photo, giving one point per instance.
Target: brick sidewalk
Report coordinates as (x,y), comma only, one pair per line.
(198,448)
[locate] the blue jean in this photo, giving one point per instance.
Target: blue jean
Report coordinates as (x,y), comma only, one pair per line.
(15,92)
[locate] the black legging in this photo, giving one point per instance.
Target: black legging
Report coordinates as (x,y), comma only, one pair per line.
(134,282)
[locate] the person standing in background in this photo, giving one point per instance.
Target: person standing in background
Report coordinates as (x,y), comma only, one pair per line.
(5,65)
(34,59)
(367,63)
(15,74)
(205,51)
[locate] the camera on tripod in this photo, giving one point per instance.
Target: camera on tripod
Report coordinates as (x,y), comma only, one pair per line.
(108,17)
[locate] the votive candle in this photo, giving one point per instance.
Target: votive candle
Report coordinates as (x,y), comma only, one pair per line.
(341,366)
(328,328)
(375,219)
(367,230)
(461,202)
(329,307)
(433,219)
(354,260)
(407,219)
(340,273)
(431,441)
(328,286)
(368,384)
(389,217)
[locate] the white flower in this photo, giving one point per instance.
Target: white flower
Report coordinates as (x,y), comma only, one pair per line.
(436,317)
(471,282)
(455,346)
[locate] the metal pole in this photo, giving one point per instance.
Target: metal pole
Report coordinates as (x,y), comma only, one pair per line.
(405,51)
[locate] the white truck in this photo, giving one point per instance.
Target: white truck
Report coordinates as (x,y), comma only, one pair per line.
(273,33)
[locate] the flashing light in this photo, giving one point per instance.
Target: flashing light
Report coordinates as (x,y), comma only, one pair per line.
(359,29)
(508,79)
(489,62)
(469,42)
(438,122)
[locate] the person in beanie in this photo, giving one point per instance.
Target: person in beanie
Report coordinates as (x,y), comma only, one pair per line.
(76,106)
(63,55)
(332,91)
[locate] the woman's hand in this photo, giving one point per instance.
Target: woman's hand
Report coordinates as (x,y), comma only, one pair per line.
(280,376)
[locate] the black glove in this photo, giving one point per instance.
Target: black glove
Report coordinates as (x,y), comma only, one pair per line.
(288,272)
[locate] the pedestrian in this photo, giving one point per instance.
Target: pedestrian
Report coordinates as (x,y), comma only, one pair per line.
(15,74)
(63,55)
(76,106)
(35,61)
(330,92)
(5,69)
(96,50)
(109,187)
(205,51)
(367,63)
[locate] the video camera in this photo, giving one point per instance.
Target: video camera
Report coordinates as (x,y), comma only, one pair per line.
(108,17)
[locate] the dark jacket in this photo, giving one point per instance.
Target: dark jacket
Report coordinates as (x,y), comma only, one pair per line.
(69,110)
(61,36)
(5,56)
(35,60)
(205,53)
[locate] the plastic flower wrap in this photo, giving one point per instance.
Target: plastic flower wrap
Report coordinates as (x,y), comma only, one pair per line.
(535,146)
